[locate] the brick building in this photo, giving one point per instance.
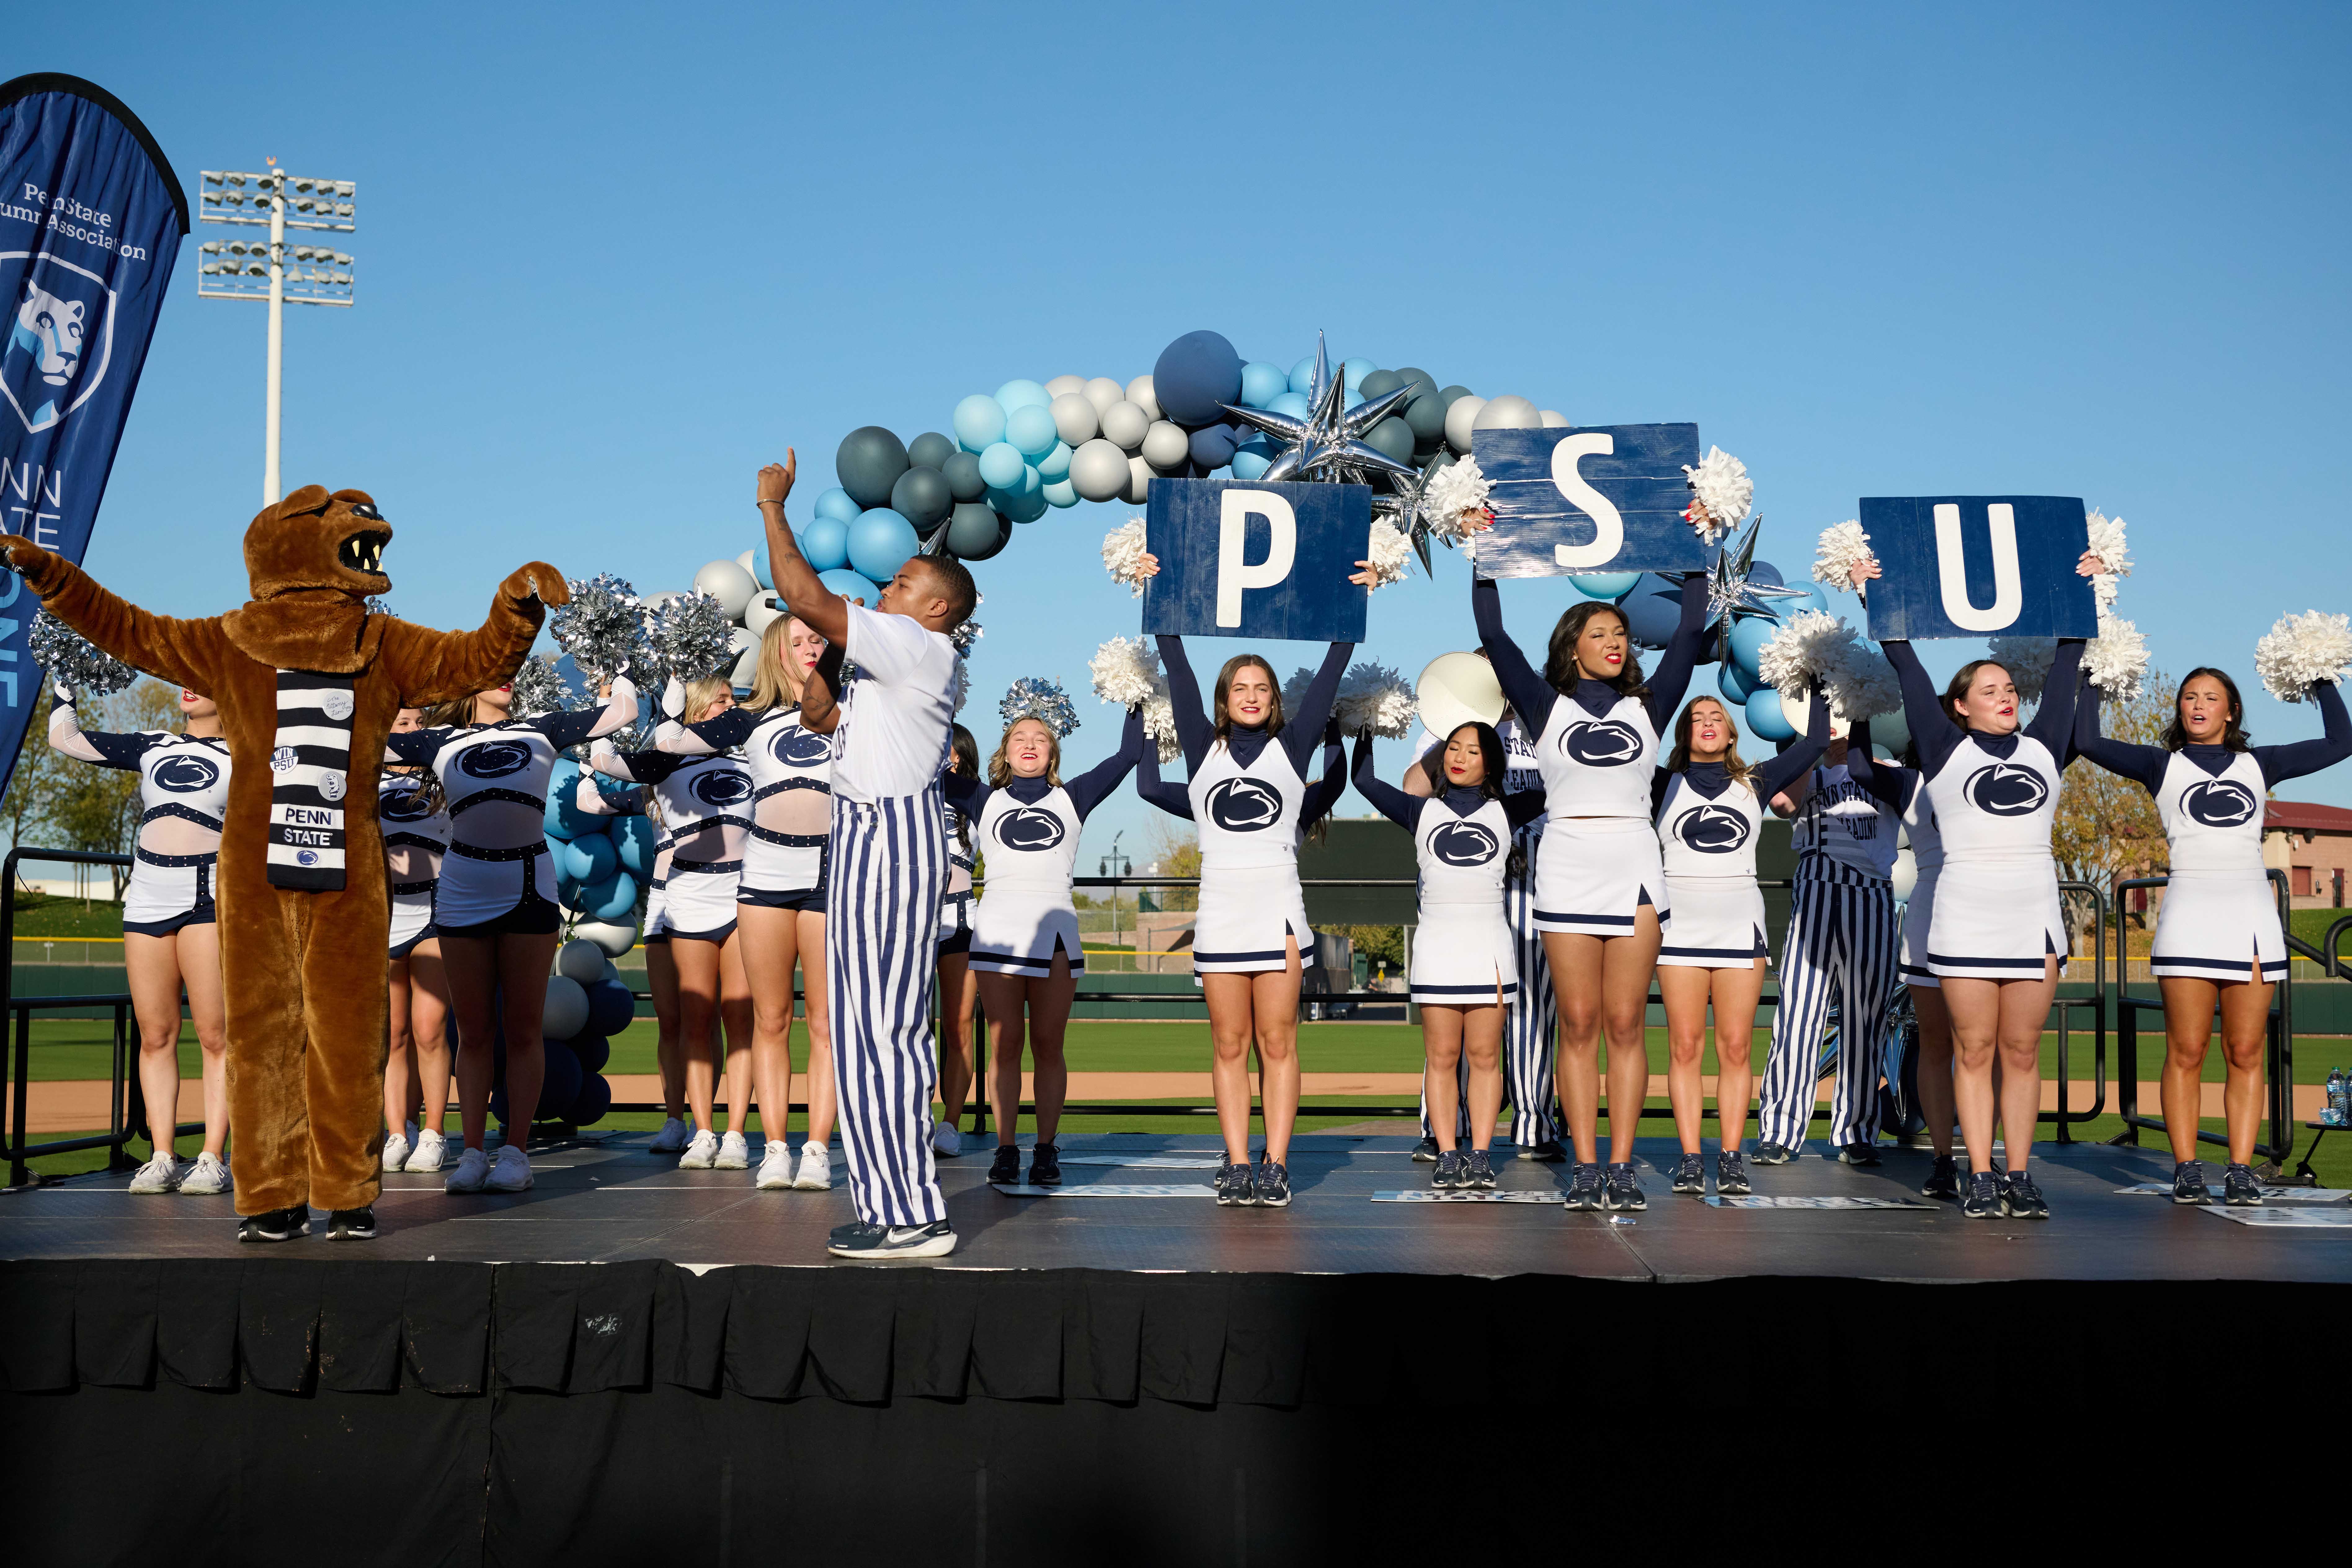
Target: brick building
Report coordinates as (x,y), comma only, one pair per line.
(2313,844)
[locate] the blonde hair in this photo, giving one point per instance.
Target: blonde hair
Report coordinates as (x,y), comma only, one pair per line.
(701,694)
(1000,768)
(776,683)
(453,714)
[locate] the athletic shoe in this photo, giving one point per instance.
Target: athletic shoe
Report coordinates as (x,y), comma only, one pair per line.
(1425,1152)
(855,1228)
(2188,1183)
(1690,1175)
(1943,1180)
(1044,1167)
(877,1242)
(161,1174)
(1864,1155)
(700,1152)
(277,1225)
(351,1224)
(1478,1174)
(671,1137)
(473,1170)
(1271,1182)
(395,1152)
(1731,1174)
(1448,1174)
(1774,1153)
(946,1142)
(2239,1188)
(430,1151)
(1234,1186)
(1623,1192)
(510,1172)
(815,1174)
(775,1167)
(1006,1166)
(1584,1190)
(734,1154)
(2025,1200)
(1548,1152)
(206,1177)
(1985,1199)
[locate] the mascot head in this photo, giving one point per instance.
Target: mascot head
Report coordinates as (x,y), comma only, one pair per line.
(312,540)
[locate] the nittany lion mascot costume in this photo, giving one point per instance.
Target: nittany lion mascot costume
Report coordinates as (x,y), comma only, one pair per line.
(309,684)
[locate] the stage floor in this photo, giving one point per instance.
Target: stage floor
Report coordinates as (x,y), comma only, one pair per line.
(607,1199)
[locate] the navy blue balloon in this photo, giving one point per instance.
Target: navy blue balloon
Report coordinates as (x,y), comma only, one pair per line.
(922,497)
(961,472)
(595,1099)
(562,1085)
(593,1051)
(1764,572)
(610,1008)
(1195,377)
(929,450)
(1652,610)
(1213,446)
(868,463)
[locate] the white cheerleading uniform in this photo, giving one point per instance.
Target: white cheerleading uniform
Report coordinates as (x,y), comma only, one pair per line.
(182,796)
(2220,918)
(1027,915)
(1250,898)
(1996,914)
(1707,850)
(702,800)
(792,799)
(1599,862)
(1464,952)
(955,901)
(415,837)
(1919,910)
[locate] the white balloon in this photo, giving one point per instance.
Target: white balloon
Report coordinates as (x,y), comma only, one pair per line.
(1905,875)
(567,1008)
(730,585)
(1075,419)
(1890,731)
(1139,393)
(765,606)
(656,601)
(1102,392)
(742,638)
(1458,422)
(1138,481)
(1098,470)
(1798,712)
(581,959)
(747,669)
(1066,385)
(1508,413)
(1126,424)
(1165,446)
(614,938)
(1553,419)
(748,562)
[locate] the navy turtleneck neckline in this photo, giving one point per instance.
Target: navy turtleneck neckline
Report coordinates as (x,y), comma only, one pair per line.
(1596,697)
(2002,746)
(1709,779)
(1028,791)
(1246,741)
(1464,799)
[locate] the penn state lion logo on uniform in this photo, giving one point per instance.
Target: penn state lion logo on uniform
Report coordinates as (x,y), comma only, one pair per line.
(1711,829)
(2219,803)
(1602,742)
(799,748)
(185,775)
(2005,789)
(1244,806)
(721,787)
(495,759)
(1464,843)
(1029,829)
(408,805)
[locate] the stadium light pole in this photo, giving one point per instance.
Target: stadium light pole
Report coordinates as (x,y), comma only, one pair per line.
(1115,865)
(249,270)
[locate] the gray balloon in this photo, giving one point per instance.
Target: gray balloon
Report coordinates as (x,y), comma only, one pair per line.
(1426,416)
(1392,436)
(1414,372)
(961,472)
(1165,446)
(1453,395)
(929,450)
(1380,383)
(921,496)
(1098,470)
(975,533)
(868,463)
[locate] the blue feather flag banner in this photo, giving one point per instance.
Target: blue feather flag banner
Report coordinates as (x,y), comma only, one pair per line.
(92,218)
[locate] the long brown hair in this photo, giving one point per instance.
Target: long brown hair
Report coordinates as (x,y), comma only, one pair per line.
(1234,666)
(1561,671)
(1000,768)
(775,681)
(1680,757)
(1958,687)
(454,714)
(2234,737)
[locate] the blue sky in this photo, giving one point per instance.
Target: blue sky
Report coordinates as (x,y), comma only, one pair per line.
(611,259)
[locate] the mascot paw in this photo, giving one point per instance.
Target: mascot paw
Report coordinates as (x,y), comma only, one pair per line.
(27,559)
(541,582)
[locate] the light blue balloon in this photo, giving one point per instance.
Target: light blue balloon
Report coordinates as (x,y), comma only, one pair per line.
(1735,685)
(1765,717)
(1262,382)
(1249,463)
(613,897)
(1610,585)
(978,420)
(590,857)
(1291,402)
(1055,466)
(1030,430)
(633,839)
(879,542)
(760,572)
(1001,465)
(1015,394)
(1749,635)
(1060,492)
(825,543)
(1814,599)
(835,502)
(1356,370)
(840,579)
(1302,376)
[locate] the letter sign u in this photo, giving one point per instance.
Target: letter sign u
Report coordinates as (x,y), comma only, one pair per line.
(1951,566)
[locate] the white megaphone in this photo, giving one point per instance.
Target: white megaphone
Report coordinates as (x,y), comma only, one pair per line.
(1455,689)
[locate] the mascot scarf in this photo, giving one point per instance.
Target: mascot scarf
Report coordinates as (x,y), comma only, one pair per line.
(310,774)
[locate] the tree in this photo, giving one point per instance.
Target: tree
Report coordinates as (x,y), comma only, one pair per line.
(2108,826)
(1175,853)
(97,808)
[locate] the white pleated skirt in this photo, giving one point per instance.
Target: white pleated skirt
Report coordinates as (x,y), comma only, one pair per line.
(1015,929)
(2218,928)
(412,916)
(1718,923)
(1995,920)
(699,905)
(1918,915)
(1464,955)
(1245,915)
(1593,873)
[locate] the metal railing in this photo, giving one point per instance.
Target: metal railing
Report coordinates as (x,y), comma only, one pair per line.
(2330,958)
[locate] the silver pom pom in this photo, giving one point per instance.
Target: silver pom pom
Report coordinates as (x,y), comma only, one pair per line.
(72,661)
(538,688)
(1032,696)
(602,628)
(377,606)
(688,638)
(964,636)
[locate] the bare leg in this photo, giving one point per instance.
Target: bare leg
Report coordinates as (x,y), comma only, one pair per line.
(523,962)
(1627,966)
(1685,993)
(471,963)
(822,1097)
(2189,1006)
(1736,994)
(1230,1002)
(1974,1008)
(1935,1065)
(2245,1035)
(697,1019)
(661,980)
(400,1053)
(200,972)
(1274,1002)
(1576,967)
(1005,996)
(1049,1023)
(428,1024)
(769,947)
(1482,1041)
(1441,1064)
(2025,1009)
(153,964)
(735,1020)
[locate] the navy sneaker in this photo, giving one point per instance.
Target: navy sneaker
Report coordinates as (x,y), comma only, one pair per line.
(1731,1174)
(1984,1200)
(1425,1152)
(850,1232)
(1006,1166)
(1943,1180)
(1859,1154)
(359,1224)
(1623,1192)
(1447,1177)
(1044,1167)
(2188,1183)
(277,1224)
(1690,1175)
(2239,1188)
(1774,1153)
(880,1243)
(1478,1172)
(1272,1182)
(2025,1200)
(1548,1152)
(1584,1189)
(1233,1185)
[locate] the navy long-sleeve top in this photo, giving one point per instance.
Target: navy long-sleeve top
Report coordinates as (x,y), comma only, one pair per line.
(1086,791)
(1196,733)
(1313,806)
(2146,764)
(1521,807)
(1936,737)
(1532,697)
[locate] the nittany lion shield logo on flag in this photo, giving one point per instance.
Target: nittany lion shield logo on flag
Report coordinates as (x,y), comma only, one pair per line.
(61,336)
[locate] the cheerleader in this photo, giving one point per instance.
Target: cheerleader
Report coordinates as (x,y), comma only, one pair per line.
(1996,935)
(780,898)
(699,798)
(1710,807)
(495,908)
(414,821)
(1466,971)
(1600,887)
(959,993)
(1025,950)
(169,938)
(2218,939)
(594,799)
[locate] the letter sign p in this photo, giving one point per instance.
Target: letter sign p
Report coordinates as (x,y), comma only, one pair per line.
(1234,573)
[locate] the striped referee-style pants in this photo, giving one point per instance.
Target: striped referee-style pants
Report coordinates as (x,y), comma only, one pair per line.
(886,870)
(1843,940)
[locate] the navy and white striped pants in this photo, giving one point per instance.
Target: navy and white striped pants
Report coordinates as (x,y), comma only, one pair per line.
(1531,1026)
(886,870)
(1843,939)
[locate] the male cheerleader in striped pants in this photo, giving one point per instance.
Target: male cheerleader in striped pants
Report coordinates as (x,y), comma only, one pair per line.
(1844,936)
(886,867)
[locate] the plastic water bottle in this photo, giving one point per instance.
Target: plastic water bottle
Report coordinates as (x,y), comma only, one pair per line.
(2339,1099)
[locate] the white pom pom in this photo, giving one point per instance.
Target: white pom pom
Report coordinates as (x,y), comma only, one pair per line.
(1123,552)
(1160,724)
(1455,499)
(2028,661)
(2107,544)
(1293,690)
(1390,552)
(2117,659)
(1126,672)
(1374,697)
(1843,546)
(1863,685)
(1802,651)
(1724,490)
(2302,650)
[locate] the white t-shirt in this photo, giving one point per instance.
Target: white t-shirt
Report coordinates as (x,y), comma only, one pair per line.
(900,708)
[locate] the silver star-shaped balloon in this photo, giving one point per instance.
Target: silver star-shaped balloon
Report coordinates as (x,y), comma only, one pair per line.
(1403,510)
(1328,445)
(1731,594)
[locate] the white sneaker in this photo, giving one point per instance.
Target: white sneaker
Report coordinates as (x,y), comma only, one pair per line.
(473,1170)
(734,1154)
(206,1177)
(161,1174)
(775,1167)
(817,1169)
(700,1152)
(671,1137)
(430,1151)
(945,1139)
(395,1152)
(510,1172)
